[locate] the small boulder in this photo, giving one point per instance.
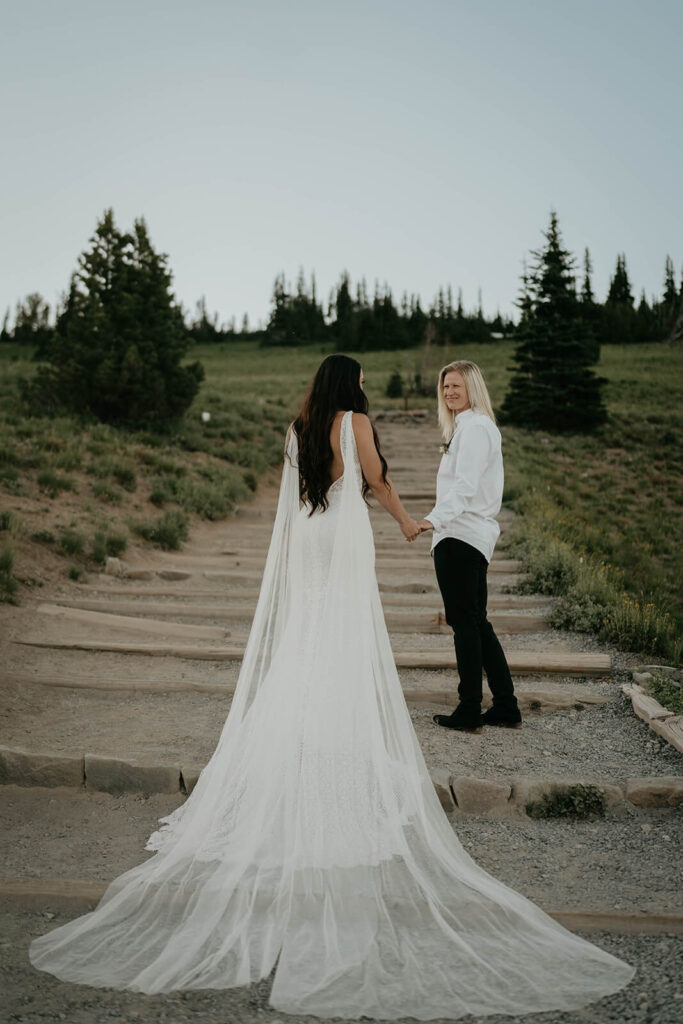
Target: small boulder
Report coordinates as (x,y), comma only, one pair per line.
(480,796)
(665,791)
(443,791)
(114,567)
(113,775)
(25,768)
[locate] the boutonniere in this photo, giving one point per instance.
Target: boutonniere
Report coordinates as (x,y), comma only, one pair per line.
(443,448)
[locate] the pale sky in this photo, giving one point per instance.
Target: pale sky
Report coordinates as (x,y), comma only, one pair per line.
(418,142)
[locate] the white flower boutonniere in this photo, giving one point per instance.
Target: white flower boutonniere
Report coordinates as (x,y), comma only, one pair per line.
(443,448)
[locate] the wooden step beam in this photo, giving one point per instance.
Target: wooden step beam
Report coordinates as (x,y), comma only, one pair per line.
(521,662)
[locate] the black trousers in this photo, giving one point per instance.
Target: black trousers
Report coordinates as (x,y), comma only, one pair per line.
(461,575)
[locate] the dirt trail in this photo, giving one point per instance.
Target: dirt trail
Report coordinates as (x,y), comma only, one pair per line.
(131,668)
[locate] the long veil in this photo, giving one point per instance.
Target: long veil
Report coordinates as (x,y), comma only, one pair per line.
(314,843)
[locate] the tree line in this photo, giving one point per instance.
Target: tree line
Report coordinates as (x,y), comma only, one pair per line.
(117,347)
(354,319)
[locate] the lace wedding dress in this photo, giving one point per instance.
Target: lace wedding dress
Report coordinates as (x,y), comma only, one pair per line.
(314,842)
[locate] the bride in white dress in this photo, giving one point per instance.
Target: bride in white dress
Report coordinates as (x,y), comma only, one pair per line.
(314,845)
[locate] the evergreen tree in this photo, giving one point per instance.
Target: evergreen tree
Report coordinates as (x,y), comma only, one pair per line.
(204,328)
(587,296)
(31,323)
(120,338)
(620,293)
(553,386)
(670,297)
(618,321)
(344,326)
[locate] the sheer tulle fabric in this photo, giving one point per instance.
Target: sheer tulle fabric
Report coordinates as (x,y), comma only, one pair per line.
(314,842)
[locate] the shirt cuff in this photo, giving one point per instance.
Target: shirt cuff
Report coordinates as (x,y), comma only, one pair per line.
(434,519)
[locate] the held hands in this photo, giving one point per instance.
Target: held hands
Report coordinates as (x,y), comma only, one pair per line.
(412,530)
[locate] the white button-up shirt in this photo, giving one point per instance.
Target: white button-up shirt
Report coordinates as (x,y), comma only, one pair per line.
(469,485)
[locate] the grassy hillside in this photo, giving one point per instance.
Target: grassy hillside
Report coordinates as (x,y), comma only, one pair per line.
(601,513)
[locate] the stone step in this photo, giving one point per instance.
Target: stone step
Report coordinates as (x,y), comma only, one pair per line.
(397,621)
(73,896)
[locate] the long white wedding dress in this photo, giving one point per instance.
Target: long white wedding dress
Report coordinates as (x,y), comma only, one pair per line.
(314,842)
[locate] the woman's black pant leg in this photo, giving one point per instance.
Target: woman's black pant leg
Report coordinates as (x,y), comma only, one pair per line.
(461,575)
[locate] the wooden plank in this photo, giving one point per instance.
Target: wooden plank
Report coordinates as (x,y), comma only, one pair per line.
(527,662)
(137,624)
(397,621)
(523,662)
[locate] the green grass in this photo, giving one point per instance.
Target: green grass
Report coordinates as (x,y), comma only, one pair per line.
(601,514)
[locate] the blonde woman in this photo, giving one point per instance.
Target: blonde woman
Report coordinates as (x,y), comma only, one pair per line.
(469,490)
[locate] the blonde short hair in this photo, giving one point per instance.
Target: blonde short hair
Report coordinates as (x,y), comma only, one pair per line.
(477,393)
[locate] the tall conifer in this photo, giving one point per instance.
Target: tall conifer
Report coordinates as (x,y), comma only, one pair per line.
(120,338)
(553,386)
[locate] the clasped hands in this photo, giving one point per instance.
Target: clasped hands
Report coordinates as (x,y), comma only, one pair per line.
(411,529)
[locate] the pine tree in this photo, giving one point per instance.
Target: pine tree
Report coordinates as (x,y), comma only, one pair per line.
(618,320)
(670,297)
(344,326)
(553,386)
(620,293)
(120,338)
(587,296)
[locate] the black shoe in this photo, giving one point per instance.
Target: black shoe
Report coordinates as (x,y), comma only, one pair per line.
(460,722)
(509,718)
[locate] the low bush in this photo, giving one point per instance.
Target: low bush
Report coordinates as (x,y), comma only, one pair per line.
(8,584)
(592,597)
(168,531)
(108,544)
(44,537)
(72,542)
(667,691)
(574,801)
(105,492)
(53,483)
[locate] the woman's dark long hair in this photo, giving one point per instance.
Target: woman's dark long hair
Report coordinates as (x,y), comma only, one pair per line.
(335,386)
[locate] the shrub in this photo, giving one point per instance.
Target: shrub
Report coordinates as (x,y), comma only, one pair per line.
(666,690)
(44,537)
(394,388)
(550,564)
(105,492)
(106,544)
(9,521)
(169,530)
(74,573)
(573,801)
(69,460)
(72,542)
(53,483)
(124,474)
(8,584)
(163,490)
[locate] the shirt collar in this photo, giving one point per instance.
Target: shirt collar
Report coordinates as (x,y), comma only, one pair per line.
(465,414)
